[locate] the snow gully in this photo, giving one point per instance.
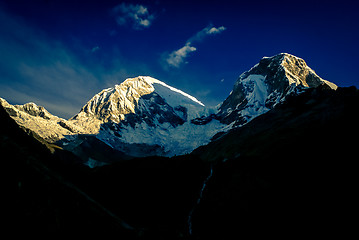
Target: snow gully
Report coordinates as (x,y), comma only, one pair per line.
(189,221)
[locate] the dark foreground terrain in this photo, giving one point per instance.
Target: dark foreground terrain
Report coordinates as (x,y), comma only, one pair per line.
(290,172)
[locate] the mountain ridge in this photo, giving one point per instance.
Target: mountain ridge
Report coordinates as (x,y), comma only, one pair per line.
(144,116)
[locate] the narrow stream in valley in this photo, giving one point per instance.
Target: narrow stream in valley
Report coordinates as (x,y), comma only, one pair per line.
(189,221)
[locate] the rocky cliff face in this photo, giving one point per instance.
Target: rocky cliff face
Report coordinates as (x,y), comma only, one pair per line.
(113,104)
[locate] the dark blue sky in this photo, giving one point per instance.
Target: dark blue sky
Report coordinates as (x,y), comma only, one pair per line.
(60,53)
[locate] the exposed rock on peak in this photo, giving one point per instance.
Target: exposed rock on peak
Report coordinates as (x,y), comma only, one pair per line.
(35,110)
(37,119)
(113,104)
(295,69)
(136,101)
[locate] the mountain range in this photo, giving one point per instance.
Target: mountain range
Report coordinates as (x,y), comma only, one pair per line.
(278,160)
(143,116)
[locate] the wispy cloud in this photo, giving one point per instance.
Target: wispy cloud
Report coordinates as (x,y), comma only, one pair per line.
(177,58)
(137,16)
(34,67)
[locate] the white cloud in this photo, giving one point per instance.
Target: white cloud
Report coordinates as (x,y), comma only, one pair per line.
(137,15)
(177,57)
(214,30)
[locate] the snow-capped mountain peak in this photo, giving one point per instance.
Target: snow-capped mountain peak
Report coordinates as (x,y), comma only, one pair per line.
(144,110)
(114,103)
(266,84)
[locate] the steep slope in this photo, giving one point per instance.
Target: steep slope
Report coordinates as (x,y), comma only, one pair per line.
(114,103)
(154,101)
(265,85)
